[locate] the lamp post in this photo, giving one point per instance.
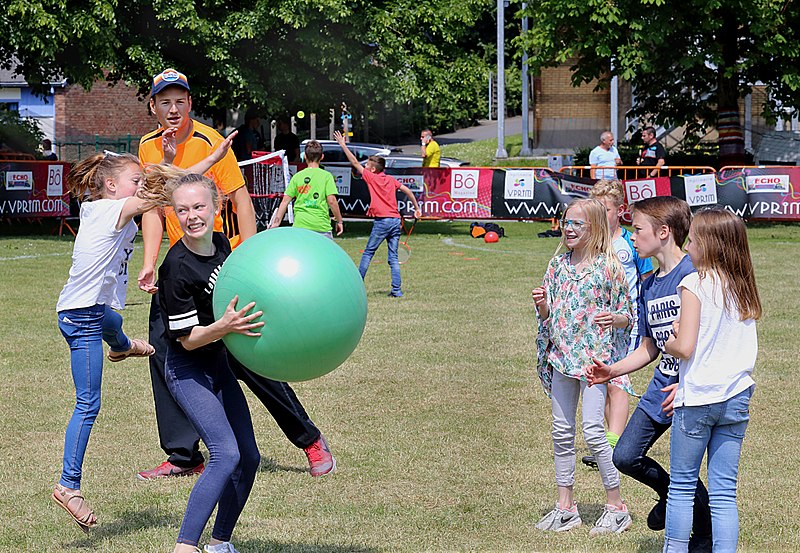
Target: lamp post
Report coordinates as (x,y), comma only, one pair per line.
(501,83)
(526,150)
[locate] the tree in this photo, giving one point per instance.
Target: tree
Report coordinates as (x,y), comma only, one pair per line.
(689,62)
(18,135)
(277,54)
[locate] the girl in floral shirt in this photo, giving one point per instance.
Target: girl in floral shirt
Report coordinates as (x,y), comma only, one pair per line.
(584,313)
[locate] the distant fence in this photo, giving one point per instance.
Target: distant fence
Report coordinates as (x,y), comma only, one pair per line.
(35,189)
(76,148)
(755,193)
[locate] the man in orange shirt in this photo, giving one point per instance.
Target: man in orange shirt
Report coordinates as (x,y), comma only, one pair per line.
(186,142)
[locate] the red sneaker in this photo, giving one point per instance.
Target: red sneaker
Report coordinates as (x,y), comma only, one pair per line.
(168,470)
(320,460)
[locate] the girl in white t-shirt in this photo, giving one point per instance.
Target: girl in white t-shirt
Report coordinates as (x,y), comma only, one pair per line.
(717,345)
(96,286)
(112,187)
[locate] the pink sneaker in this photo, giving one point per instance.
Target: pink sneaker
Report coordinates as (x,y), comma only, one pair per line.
(168,470)
(320,459)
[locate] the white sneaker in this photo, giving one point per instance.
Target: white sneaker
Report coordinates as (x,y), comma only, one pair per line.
(560,520)
(224,547)
(613,520)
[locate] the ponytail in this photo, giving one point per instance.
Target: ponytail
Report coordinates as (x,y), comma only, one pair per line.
(87,178)
(161,181)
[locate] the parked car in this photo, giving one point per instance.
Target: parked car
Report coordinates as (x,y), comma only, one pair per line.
(334,155)
(394,161)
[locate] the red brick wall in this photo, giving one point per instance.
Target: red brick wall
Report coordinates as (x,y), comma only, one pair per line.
(112,112)
(566,116)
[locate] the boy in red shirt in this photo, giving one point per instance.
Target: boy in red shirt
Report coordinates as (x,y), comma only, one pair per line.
(383,206)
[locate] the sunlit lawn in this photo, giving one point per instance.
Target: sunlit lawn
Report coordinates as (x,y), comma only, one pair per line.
(438,422)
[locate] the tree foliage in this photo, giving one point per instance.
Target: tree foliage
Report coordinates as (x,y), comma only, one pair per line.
(683,58)
(277,54)
(18,135)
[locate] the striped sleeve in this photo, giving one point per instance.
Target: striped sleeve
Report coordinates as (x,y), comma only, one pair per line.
(178,308)
(183,320)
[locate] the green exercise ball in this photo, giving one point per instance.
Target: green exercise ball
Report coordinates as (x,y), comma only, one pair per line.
(312,296)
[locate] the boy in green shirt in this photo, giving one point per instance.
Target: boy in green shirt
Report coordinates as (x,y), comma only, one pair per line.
(313,192)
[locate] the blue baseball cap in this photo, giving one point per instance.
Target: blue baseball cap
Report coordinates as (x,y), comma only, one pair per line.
(168,77)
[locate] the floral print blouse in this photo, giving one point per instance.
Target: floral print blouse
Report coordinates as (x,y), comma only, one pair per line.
(568,338)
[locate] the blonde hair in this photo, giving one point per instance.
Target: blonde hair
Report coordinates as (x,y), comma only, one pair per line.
(161,182)
(608,189)
(721,240)
(87,178)
(600,241)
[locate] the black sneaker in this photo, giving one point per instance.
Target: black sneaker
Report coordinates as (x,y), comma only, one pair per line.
(589,461)
(657,519)
(700,544)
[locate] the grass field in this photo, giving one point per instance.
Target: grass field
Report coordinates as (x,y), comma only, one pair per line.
(438,422)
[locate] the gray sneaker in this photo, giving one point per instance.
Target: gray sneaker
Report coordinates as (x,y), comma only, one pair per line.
(612,520)
(560,520)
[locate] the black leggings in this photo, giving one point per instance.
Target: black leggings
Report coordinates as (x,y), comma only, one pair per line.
(180,441)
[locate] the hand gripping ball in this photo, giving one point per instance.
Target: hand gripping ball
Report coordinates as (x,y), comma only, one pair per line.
(490,237)
(312,296)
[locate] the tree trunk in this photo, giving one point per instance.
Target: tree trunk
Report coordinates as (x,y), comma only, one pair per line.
(729,127)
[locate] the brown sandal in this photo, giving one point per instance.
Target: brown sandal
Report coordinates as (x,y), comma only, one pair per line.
(81,513)
(139,348)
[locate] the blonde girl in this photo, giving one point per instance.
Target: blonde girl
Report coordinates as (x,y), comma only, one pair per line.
(197,371)
(110,185)
(717,345)
(584,312)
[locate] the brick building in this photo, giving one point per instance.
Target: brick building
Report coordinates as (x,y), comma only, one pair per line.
(572,117)
(107,117)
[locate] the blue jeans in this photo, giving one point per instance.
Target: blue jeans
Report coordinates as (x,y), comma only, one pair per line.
(384,228)
(630,457)
(719,429)
(85,329)
(204,386)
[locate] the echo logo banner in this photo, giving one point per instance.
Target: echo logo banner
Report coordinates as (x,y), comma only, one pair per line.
(700,189)
(519,185)
(19,180)
(767,183)
(415,183)
(464,183)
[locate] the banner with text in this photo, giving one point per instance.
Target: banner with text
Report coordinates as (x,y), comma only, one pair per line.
(539,193)
(33,189)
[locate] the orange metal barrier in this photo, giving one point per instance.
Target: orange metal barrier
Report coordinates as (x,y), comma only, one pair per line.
(631,172)
(740,167)
(16,156)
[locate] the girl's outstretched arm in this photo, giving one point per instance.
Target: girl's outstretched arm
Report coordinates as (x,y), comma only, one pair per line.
(133,206)
(642,356)
(201,167)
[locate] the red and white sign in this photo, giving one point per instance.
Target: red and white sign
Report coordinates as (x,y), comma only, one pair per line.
(464,183)
(762,184)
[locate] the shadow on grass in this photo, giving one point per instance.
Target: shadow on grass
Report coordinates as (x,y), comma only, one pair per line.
(127,523)
(267,546)
(270,465)
(651,544)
